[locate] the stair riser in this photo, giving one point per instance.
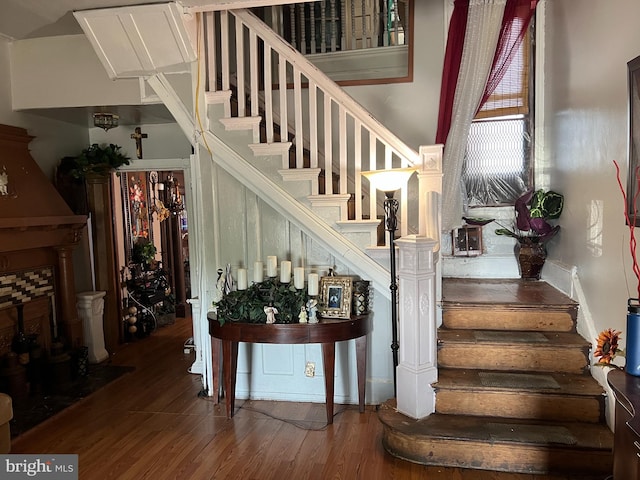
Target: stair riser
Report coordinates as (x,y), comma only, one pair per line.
(519,458)
(509,319)
(524,405)
(509,358)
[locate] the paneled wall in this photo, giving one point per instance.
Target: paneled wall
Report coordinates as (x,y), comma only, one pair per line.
(248,230)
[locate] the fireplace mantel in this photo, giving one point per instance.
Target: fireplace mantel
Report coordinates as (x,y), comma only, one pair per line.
(37,228)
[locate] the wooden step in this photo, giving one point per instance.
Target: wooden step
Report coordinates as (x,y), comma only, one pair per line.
(505,444)
(506,304)
(531,395)
(508,351)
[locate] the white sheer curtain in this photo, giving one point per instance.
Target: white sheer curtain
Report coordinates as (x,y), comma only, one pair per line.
(484,21)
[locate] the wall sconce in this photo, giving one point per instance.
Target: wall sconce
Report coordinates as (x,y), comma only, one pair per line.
(389,181)
(105,120)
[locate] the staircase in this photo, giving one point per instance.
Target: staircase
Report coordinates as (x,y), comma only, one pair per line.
(514,391)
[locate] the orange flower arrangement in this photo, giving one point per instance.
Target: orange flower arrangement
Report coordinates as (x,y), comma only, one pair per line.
(607,348)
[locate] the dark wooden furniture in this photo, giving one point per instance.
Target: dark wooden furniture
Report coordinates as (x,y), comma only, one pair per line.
(37,228)
(327,332)
(626,443)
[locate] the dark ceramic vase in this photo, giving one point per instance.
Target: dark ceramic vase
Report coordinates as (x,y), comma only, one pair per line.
(531,257)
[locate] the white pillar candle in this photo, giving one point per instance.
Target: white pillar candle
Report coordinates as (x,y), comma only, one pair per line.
(242,279)
(285,271)
(298,277)
(272,266)
(258,272)
(313,284)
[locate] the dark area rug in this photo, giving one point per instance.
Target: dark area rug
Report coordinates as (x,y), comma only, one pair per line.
(31,411)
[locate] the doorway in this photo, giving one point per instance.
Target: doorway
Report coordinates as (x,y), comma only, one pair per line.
(151,228)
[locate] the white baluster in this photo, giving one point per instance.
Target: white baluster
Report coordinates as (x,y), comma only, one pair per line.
(312,18)
(328,154)
(396,19)
(292,24)
(313,123)
(242,101)
(407,19)
(343,150)
(268,92)
(385,16)
(334,28)
(299,138)
(323,27)
(365,24)
(357,139)
(353,25)
(253,67)
(303,34)
(375,33)
(224,53)
(282,81)
(209,26)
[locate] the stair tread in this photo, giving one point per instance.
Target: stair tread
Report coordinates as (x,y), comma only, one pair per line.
(570,435)
(511,339)
(555,383)
(502,292)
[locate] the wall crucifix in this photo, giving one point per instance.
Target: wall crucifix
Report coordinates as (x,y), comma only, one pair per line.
(138,136)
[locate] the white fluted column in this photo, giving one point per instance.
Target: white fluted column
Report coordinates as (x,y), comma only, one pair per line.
(90,310)
(417,331)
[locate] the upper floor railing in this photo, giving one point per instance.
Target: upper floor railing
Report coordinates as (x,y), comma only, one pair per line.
(340,25)
(352,41)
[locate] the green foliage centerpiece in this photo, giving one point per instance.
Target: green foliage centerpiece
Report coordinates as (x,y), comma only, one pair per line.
(249,305)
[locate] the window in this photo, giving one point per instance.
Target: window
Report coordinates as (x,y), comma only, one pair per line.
(498,164)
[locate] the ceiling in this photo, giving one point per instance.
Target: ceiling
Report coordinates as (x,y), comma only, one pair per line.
(22,19)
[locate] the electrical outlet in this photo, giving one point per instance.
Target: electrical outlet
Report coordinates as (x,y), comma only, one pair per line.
(310,369)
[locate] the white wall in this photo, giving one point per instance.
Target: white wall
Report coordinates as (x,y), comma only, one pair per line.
(65,71)
(588,45)
(52,138)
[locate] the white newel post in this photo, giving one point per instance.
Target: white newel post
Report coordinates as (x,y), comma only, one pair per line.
(417,368)
(90,309)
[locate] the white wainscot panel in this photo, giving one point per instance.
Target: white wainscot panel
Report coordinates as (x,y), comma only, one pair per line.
(277,359)
(277,372)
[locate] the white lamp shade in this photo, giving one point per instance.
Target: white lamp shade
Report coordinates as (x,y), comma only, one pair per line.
(389,180)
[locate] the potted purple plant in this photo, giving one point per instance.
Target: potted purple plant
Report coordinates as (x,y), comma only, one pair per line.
(532,229)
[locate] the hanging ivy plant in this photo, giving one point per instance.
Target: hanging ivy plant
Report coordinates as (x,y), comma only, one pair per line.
(94,160)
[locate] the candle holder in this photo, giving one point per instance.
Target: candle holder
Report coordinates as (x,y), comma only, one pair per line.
(360,301)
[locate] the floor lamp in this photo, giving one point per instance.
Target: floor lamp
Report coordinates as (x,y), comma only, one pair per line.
(389,181)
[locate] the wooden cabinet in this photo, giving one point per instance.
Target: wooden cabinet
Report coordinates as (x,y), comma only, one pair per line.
(626,446)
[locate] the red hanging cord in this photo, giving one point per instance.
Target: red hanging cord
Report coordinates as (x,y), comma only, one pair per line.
(631,224)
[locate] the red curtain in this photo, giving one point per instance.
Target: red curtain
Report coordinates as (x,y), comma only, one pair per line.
(451,68)
(511,35)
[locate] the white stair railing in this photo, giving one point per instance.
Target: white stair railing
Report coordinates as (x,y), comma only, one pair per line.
(330,130)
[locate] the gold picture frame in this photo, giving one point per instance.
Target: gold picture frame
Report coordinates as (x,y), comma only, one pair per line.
(335,297)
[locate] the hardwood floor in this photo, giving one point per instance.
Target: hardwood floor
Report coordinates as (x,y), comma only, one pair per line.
(151,424)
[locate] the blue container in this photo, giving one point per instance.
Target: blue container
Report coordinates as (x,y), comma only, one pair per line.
(632,365)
